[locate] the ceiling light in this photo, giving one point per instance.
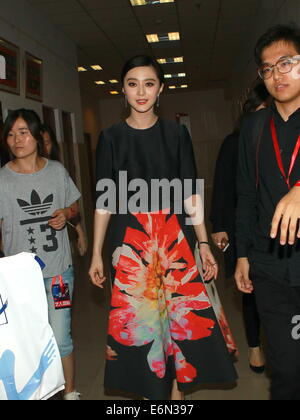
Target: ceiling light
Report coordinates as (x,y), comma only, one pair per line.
(152,38)
(170,60)
(149,2)
(163,37)
(96,67)
(100,82)
(138,2)
(81,69)
(114,81)
(178,87)
(114,92)
(174,36)
(174,75)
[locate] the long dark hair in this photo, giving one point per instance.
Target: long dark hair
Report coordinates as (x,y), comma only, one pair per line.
(257,96)
(33,122)
(143,61)
(55,149)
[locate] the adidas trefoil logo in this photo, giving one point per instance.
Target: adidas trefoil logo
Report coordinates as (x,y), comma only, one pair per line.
(36,207)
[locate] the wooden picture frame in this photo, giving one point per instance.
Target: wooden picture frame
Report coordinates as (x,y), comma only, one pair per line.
(11,54)
(33,77)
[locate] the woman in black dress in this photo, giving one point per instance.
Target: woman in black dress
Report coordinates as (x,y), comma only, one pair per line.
(163,335)
(222,216)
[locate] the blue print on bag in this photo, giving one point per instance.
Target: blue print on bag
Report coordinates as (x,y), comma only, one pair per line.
(3,308)
(7,373)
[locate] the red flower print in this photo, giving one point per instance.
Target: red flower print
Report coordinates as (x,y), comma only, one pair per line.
(156,294)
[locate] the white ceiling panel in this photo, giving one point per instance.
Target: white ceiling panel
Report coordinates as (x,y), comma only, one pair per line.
(108,32)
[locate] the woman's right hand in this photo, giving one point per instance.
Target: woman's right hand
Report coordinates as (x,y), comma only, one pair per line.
(96,272)
(220,239)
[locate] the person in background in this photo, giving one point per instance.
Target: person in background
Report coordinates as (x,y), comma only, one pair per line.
(52,151)
(4,158)
(163,335)
(222,216)
(268,209)
(38,198)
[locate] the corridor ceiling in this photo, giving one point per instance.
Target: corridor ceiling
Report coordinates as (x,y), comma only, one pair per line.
(108,32)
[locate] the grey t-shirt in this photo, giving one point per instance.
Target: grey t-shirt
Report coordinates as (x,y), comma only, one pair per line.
(27,201)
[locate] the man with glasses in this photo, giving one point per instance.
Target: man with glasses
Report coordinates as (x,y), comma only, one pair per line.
(269,206)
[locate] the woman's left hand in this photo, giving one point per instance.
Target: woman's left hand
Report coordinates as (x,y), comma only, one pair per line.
(209,264)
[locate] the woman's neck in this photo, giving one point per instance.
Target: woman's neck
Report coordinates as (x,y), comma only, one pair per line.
(141,121)
(29,165)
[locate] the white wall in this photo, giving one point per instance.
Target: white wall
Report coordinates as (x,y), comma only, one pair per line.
(91,116)
(30,31)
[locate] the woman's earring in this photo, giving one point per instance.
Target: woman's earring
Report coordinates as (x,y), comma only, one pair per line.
(126,102)
(157,102)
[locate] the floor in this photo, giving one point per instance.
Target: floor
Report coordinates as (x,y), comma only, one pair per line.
(89,333)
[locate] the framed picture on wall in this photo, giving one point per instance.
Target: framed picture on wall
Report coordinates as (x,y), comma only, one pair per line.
(33,77)
(10,54)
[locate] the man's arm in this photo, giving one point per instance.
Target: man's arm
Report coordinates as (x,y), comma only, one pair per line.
(287,215)
(246,214)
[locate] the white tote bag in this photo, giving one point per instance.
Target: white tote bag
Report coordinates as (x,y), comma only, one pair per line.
(30,363)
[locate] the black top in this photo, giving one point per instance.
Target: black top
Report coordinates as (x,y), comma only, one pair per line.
(4,156)
(224,197)
(163,151)
(257,202)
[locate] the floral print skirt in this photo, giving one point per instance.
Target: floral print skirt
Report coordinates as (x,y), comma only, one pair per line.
(162,326)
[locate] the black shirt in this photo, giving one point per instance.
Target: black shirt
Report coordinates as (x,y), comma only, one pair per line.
(224,197)
(163,151)
(260,187)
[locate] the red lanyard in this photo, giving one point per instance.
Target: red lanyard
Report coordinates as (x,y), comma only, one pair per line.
(278,154)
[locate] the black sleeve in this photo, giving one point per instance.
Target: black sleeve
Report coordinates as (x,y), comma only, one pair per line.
(223,204)
(188,169)
(104,161)
(246,214)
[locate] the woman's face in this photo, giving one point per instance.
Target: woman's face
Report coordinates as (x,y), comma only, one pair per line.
(47,144)
(142,88)
(20,140)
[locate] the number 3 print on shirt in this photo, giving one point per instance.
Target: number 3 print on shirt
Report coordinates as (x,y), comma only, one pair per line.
(50,238)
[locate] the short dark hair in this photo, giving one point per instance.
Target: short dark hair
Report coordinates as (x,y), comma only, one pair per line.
(33,122)
(143,61)
(55,149)
(286,33)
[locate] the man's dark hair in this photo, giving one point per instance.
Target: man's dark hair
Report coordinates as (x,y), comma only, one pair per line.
(33,122)
(286,33)
(143,61)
